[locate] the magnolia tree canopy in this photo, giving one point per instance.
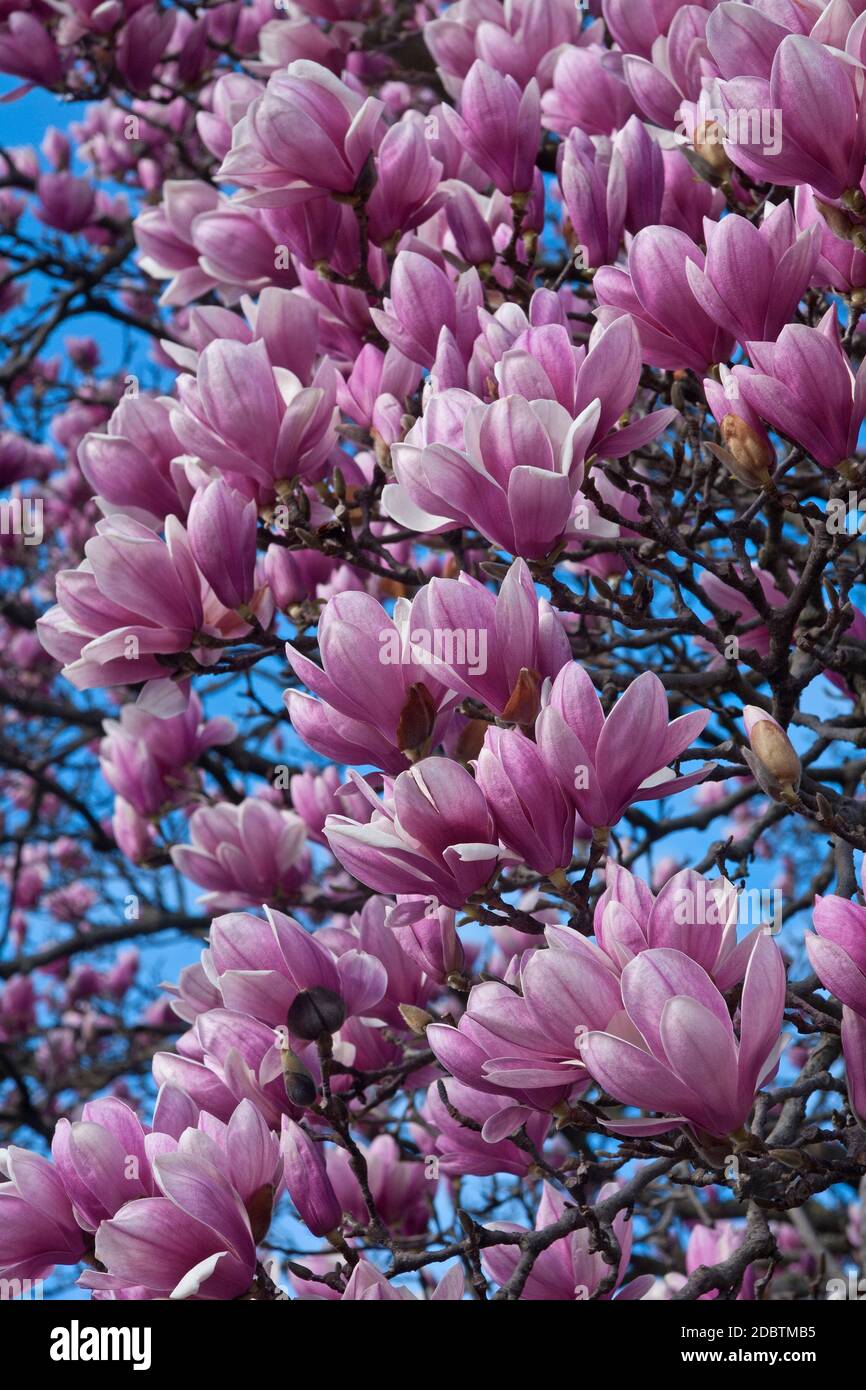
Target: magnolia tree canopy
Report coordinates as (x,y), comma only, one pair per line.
(431,566)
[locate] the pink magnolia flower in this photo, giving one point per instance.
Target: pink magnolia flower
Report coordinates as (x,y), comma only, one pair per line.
(231,96)
(369,932)
(307,1181)
(274,970)
(527,1044)
(146,759)
(199,241)
(499,125)
(606,763)
(233,1057)
(196,1237)
(803,386)
(406,192)
(840,264)
(513,475)
(436,839)
(135,598)
(754,277)
(38,1229)
(854,1050)
(822,134)
(709,1245)
(374,375)
(695,915)
(244,854)
(502,645)
(594,194)
(399,1187)
(522,40)
(317,795)
(686,200)
(470,1152)
(531,813)
(309,133)
(236,382)
(837,951)
(543,364)
(102,1160)
(17,1007)
(432,943)
(674,329)
(131,465)
(378,701)
(222,535)
(666,80)
(28,50)
(679,1052)
(636,24)
(745,41)
(424,303)
(66,202)
(588,93)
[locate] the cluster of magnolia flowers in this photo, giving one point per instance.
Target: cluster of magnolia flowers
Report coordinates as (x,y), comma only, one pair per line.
(177,1208)
(238,1119)
(351,299)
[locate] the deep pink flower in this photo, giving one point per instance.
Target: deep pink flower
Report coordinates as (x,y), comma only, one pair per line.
(244,854)
(685,1057)
(436,841)
(675,330)
(307,134)
(606,763)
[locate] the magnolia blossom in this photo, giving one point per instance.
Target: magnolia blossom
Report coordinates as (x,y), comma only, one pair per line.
(607,762)
(685,1056)
(244,854)
(308,133)
(510,469)
(435,839)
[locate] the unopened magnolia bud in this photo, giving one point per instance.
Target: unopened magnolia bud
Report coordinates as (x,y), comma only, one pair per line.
(416,721)
(260,1208)
(470,740)
(524,702)
(314,1012)
(415,1019)
(752,455)
(709,145)
(773,749)
(300,1086)
(837,220)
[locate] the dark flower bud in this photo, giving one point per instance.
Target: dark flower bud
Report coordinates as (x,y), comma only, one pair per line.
(524,701)
(260,1208)
(314,1012)
(417,719)
(300,1086)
